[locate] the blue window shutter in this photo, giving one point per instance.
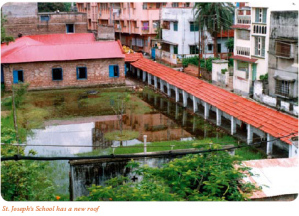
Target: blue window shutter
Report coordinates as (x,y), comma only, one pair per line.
(15,76)
(61,74)
(77,71)
(117,70)
(125,69)
(111,72)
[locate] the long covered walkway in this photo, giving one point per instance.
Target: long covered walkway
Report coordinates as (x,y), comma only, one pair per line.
(250,116)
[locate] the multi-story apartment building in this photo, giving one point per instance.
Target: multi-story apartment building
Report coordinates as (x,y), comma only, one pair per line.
(180,36)
(251,45)
(135,23)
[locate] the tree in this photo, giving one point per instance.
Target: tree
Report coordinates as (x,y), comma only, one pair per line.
(5,38)
(215,17)
(201,177)
(230,44)
(52,7)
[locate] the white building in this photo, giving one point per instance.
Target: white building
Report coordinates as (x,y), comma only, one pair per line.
(251,44)
(180,36)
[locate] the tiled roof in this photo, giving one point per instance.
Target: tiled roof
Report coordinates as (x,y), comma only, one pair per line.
(229,33)
(242,58)
(239,26)
(268,120)
(59,47)
(133,57)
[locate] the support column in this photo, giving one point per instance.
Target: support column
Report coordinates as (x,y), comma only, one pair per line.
(143,76)
(138,73)
(195,105)
(161,85)
(184,99)
(149,78)
(269,144)
(233,125)
(168,90)
(218,114)
(156,82)
(207,111)
(249,134)
(177,95)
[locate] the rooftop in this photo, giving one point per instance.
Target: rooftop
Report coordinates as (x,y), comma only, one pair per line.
(270,121)
(59,47)
(276,176)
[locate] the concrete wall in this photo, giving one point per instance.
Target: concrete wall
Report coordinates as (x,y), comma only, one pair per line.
(39,74)
(105,33)
(284,25)
(23,18)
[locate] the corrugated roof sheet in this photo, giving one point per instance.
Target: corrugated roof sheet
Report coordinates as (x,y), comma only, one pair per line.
(268,120)
(280,176)
(229,33)
(59,47)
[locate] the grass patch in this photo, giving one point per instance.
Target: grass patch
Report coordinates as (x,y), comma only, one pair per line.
(118,136)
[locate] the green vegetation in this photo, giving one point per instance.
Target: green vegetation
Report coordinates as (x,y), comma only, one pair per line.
(230,44)
(204,177)
(204,63)
(5,38)
(223,70)
(121,135)
(54,6)
(264,77)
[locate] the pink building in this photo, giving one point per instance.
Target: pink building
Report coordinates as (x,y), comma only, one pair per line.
(135,23)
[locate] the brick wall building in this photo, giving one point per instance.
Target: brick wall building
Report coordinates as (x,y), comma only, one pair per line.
(62,60)
(23,18)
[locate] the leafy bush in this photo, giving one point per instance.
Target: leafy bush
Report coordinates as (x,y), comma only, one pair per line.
(204,63)
(264,77)
(202,177)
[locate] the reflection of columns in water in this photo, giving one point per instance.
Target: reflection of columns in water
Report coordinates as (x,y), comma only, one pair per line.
(205,131)
(161,103)
(168,106)
(184,116)
(168,129)
(98,140)
(155,100)
(149,97)
(176,111)
(194,124)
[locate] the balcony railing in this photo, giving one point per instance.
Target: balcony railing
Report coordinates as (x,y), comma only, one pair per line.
(243,19)
(259,29)
(244,51)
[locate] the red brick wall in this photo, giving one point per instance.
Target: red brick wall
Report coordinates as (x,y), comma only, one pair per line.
(39,74)
(32,25)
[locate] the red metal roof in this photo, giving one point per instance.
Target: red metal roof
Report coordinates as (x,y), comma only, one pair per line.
(238,26)
(242,58)
(59,47)
(229,33)
(133,57)
(268,120)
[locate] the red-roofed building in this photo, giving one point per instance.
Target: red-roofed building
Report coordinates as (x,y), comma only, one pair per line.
(62,60)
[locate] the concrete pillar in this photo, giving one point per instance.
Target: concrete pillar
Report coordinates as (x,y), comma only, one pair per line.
(184,99)
(177,95)
(195,106)
(249,134)
(138,73)
(176,111)
(143,76)
(269,144)
(149,78)
(207,111)
(218,115)
(184,117)
(233,125)
(156,82)
(161,85)
(168,90)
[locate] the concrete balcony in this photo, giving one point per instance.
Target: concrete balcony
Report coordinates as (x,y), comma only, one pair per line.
(243,19)
(243,51)
(259,29)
